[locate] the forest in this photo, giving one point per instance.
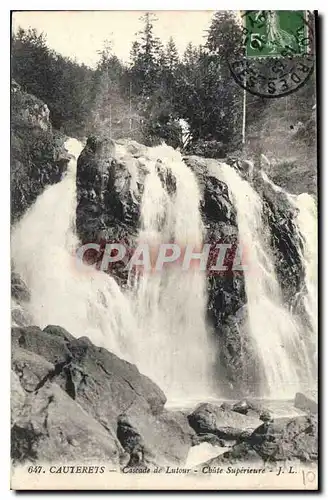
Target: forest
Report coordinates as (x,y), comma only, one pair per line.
(146,98)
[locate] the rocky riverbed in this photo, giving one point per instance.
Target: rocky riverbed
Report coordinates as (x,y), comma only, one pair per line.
(74,401)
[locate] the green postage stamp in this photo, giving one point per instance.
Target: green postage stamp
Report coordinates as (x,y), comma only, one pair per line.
(271,33)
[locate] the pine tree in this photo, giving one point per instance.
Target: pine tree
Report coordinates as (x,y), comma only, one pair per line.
(146,55)
(171,55)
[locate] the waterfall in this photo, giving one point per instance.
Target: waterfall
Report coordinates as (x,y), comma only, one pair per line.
(158,323)
(276,334)
(171,305)
(306,221)
(84,301)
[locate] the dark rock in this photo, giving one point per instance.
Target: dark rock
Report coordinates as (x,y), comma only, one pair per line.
(226,290)
(107,193)
(110,382)
(241,407)
(226,406)
(286,241)
(251,408)
(247,407)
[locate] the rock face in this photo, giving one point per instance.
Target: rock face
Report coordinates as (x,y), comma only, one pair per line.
(107,193)
(285,240)
(284,439)
(38,156)
(73,400)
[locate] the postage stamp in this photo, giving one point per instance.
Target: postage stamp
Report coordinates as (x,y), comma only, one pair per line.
(277,52)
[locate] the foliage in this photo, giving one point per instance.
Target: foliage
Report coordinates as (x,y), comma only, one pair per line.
(145,99)
(60,82)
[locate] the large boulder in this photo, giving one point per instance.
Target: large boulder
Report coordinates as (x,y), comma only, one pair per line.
(111,397)
(228,425)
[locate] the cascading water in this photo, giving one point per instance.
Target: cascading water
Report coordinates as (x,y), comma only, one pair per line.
(275,332)
(170,306)
(159,323)
(83,301)
(306,223)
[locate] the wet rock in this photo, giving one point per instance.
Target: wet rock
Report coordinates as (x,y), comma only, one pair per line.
(108,192)
(241,407)
(285,240)
(252,409)
(226,290)
(307,402)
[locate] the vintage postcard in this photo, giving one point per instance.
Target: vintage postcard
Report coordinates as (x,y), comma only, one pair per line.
(164,250)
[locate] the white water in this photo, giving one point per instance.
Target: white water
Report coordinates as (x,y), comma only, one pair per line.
(170,306)
(159,323)
(306,221)
(277,336)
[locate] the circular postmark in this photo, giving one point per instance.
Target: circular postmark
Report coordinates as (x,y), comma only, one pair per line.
(277,53)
